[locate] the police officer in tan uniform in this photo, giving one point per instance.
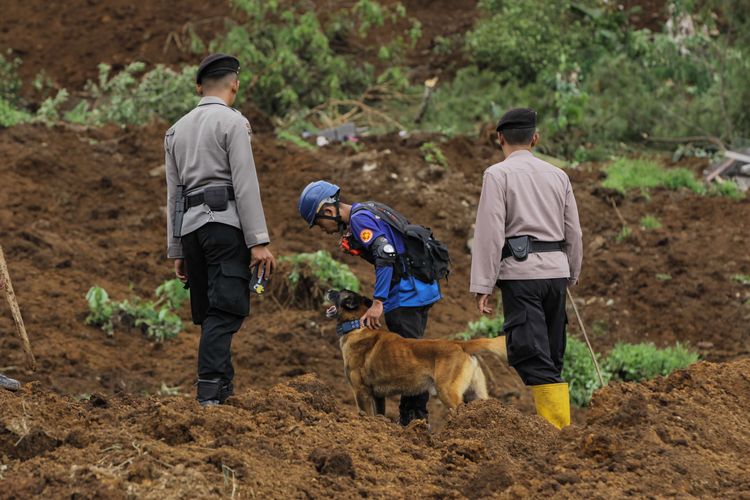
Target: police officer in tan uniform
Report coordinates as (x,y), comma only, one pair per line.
(527,242)
(216,228)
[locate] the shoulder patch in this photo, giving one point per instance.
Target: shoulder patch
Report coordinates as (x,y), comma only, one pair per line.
(365,235)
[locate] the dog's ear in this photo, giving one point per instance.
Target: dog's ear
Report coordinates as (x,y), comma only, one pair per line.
(350,301)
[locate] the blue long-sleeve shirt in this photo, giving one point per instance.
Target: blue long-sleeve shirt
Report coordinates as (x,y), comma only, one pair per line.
(409,291)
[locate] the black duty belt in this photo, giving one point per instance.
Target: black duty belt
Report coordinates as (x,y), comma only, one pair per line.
(537,247)
(193,200)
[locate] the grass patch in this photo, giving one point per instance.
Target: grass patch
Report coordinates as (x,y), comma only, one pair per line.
(634,362)
(664,276)
(628,174)
(743,279)
(649,222)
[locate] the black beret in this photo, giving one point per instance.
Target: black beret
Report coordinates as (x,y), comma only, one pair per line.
(217,65)
(517,118)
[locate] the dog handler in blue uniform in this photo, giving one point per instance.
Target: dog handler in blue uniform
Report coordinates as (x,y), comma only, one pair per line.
(404,299)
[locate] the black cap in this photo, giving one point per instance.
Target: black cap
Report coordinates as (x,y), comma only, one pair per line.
(217,65)
(517,118)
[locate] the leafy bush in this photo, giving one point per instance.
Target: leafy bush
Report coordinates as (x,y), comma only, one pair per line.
(287,58)
(743,279)
(328,271)
(626,174)
(483,327)
(155,319)
(127,98)
(634,362)
(511,43)
(580,373)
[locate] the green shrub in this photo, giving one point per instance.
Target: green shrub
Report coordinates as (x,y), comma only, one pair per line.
(155,319)
(650,222)
(634,362)
(663,276)
(580,373)
(743,279)
(329,272)
(485,326)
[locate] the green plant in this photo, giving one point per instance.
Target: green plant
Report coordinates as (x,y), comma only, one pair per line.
(483,327)
(328,271)
(633,362)
(10,83)
(624,234)
(10,115)
(100,309)
(432,153)
(159,323)
(650,222)
(173,292)
(663,276)
(743,279)
(580,373)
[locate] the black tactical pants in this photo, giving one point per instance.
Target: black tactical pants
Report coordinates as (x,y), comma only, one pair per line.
(535,322)
(218,275)
(410,323)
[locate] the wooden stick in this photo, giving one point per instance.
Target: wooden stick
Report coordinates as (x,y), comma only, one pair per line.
(6,285)
(583,330)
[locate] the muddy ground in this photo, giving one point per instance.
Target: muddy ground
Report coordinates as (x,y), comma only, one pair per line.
(80,207)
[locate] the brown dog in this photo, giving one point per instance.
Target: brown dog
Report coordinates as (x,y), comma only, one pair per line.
(379,363)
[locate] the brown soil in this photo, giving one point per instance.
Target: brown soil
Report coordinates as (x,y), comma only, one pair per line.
(662,438)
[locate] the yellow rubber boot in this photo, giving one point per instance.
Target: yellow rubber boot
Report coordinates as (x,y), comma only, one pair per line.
(553,403)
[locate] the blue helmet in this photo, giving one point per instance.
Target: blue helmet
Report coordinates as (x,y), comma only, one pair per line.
(313,196)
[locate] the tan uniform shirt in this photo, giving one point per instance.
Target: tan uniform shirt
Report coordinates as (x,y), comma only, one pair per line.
(210,146)
(524,195)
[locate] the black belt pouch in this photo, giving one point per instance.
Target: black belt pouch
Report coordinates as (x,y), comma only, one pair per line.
(520,247)
(216,197)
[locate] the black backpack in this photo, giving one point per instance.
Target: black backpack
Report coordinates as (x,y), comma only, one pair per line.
(426,258)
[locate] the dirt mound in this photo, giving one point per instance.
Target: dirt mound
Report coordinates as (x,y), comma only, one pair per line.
(683,435)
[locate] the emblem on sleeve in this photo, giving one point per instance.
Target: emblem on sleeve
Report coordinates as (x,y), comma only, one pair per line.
(365,235)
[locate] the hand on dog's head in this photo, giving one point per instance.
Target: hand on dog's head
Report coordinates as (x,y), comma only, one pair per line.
(347,305)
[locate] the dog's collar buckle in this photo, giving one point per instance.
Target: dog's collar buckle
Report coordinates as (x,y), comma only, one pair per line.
(347,326)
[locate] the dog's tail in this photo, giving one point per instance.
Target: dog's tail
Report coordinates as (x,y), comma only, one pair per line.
(496,346)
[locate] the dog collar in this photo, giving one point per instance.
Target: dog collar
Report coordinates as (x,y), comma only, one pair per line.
(347,326)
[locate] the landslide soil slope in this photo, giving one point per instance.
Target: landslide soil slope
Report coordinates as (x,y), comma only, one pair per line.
(686,435)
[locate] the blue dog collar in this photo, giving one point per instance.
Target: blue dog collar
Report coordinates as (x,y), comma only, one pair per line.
(347,326)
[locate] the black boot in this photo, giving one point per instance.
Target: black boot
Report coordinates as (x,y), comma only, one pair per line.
(9,383)
(209,392)
(227,389)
